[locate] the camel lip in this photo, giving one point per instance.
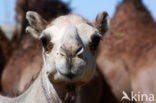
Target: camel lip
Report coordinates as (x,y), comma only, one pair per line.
(69,77)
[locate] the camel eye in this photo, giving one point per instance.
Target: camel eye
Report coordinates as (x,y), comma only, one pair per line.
(95,39)
(49,47)
(45,39)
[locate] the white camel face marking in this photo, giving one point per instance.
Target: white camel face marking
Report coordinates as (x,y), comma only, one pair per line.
(69,45)
(70,54)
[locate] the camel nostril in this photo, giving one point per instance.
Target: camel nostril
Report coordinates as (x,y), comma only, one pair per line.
(62,51)
(62,54)
(79,51)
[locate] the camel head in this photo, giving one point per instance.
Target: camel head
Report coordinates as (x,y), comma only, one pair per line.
(69,45)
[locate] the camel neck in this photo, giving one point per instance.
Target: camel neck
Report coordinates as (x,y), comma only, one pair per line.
(43,91)
(34,94)
(63,93)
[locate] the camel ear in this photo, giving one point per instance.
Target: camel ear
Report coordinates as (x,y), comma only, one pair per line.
(102,22)
(36,22)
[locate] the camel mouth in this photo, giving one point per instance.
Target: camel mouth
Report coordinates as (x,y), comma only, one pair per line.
(70,77)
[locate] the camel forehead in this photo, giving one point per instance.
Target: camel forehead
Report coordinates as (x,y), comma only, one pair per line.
(68,20)
(69,27)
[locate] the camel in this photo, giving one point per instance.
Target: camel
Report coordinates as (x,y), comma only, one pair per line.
(127,53)
(5,52)
(5,49)
(69,45)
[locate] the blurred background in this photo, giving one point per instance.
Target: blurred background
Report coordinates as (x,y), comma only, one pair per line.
(87,9)
(126,58)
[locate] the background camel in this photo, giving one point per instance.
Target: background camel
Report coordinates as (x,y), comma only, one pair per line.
(5,51)
(126,54)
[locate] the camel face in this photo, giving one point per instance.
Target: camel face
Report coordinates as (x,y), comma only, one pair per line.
(71,53)
(69,45)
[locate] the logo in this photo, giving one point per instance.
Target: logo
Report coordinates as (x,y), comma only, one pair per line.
(138,97)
